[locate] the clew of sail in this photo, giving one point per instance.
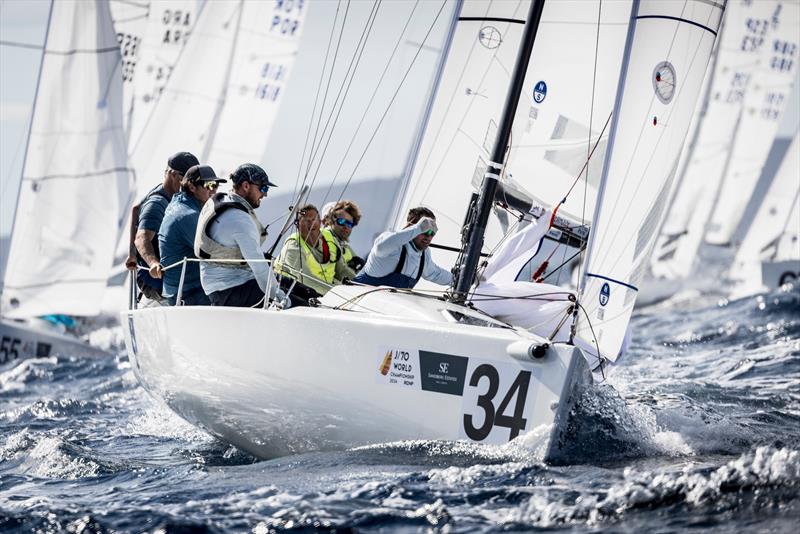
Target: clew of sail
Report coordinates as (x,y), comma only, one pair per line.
(666,54)
(763,106)
(75,178)
(566,99)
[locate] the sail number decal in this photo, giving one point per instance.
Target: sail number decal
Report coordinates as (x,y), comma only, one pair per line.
(9,349)
(494,405)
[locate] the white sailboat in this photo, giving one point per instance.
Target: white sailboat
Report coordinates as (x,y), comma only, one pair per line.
(769,255)
(708,156)
(763,106)
(74,188)
(374,365)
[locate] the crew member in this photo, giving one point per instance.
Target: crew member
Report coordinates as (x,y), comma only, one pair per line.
(228,229)
(308,258)
(146,220)
(178,229)
(339,223)
(399,259)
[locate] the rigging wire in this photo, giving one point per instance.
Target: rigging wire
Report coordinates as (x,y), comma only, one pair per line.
(369,105)
(343,92)
(319,86)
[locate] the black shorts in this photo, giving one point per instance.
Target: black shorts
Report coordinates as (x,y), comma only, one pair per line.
(246,295)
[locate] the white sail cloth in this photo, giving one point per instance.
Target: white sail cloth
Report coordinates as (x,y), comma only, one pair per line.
(769,92)
(737,58)
(777,217)
(75,179)
(566,100)
(667,52)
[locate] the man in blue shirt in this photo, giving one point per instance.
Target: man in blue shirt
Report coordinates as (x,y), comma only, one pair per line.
(177,233)
(146,220)
(399,259)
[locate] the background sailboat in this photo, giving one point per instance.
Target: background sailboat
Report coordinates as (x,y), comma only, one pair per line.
(75,179)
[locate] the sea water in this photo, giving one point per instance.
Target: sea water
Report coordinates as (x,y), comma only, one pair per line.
(697,428)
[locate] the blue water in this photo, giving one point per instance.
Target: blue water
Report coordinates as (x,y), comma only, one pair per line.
(698,428)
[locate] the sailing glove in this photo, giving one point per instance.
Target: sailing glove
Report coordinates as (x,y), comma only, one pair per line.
(425,224)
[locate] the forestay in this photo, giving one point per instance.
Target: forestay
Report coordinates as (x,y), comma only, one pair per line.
(75,180)
(667,52)
(683,229)
(567,98)
(764,103)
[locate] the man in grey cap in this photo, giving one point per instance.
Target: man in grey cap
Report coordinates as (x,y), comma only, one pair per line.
(176,236)
(228,229)
(146,219)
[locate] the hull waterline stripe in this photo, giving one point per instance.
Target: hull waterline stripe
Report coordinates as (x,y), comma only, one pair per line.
(693,23)
(592,275)
(491,19)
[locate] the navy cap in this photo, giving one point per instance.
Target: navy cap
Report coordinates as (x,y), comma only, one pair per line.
(182,162)
(250,172)
(202,173)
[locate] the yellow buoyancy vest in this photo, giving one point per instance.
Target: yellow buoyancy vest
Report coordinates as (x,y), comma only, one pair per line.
(324,271)
(337,246)
(207,248)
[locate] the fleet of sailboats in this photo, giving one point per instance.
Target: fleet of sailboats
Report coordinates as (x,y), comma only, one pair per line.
(604,110)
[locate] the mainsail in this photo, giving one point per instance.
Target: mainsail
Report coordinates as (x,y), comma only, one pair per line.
(667,51)
(567,99)
(777,34)
(239,52)
(707,157)
(151,36)
(75,179)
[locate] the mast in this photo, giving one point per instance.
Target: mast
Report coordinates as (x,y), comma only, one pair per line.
(472,242)
(28,140)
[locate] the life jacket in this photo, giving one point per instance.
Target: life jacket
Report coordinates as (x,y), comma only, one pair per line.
(337,246)
(325,270)
(207,248)
(396,278)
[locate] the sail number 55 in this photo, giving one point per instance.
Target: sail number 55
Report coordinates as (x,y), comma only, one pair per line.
(491,412)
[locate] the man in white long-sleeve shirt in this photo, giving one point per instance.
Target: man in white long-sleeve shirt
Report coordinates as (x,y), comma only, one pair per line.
(228,229)
(399,259)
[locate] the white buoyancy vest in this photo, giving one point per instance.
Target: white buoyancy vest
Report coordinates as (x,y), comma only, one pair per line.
(207,248)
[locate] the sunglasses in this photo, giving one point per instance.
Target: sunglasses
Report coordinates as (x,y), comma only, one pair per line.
(211,186)
(264,189)
(430,233)
(341,221)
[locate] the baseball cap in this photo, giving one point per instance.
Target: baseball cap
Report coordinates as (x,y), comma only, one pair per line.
(250,172)
(182,161)
(202,173)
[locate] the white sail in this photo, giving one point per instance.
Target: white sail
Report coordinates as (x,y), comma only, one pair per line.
(764,103)
(266,48)
(182,117)
(151,36)
(667,51)
(776,217)
(683,229)
(75,180)
(567,98)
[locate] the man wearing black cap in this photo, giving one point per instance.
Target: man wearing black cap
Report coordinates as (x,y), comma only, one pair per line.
(176,236)
(146,218)
(228,229)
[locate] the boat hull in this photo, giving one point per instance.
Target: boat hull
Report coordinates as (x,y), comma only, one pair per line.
(776,273)
(21,341)
(276,383)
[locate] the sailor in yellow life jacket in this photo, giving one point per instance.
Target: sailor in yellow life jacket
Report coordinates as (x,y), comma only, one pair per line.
(307,257)
(339,221)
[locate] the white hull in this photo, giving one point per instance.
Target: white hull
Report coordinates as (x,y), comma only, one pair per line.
(776,273)
(21,340)
(282,382)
